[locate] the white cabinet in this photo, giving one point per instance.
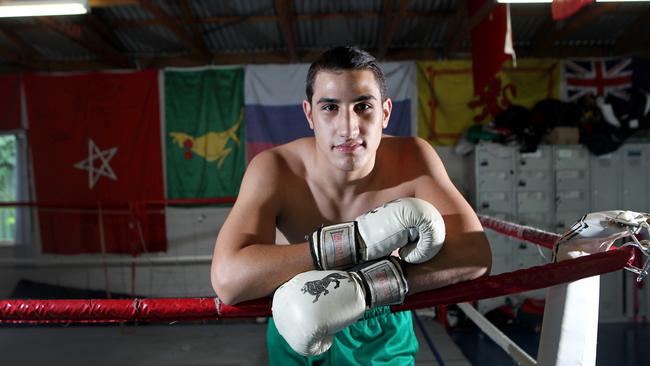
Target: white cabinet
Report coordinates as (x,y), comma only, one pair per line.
(634,161)
(572,188)
(551,189)
(606,182)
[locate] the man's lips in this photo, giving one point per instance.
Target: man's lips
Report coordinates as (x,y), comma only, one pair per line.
(348,147)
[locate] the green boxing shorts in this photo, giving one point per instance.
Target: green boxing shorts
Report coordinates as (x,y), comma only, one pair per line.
(379,338)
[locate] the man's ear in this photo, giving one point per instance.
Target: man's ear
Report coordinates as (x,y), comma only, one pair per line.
(387,107)
(306,108)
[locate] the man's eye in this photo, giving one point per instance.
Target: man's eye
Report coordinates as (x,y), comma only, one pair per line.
(362,107)
(330,107)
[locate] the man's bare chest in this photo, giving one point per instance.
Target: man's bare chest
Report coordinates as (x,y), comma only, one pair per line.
(305,209)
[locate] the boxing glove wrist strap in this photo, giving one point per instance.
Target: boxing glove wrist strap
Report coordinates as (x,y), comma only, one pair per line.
(383,281)
(335,246)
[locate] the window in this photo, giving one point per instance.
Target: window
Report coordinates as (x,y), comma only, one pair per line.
(8,188)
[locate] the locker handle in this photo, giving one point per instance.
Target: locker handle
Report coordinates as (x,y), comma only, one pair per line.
(485,205)
(484,163)
(522,183)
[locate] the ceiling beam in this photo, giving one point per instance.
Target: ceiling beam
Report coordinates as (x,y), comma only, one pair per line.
(22,60)
(459,36)
(25,48)
(391,23)
(284,11)
(634,35)
(78,34)
(276,57)
(103,30)
(175,26)
(563,29)
(225,19)
(197,34)
(455,26)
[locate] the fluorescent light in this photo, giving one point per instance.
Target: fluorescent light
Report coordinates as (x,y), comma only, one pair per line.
(42,8)
(524,1)
(550,1)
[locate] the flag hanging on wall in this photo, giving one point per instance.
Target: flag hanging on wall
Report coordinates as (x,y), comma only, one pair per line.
(204,132)
(9,102)
(597,77)
(447,105)
(491,42)
(561,9)
(274,95)
(95,141)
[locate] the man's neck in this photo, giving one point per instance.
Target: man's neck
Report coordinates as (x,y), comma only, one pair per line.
(343,184)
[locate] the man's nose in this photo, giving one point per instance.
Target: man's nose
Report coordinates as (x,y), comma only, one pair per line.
(349,124)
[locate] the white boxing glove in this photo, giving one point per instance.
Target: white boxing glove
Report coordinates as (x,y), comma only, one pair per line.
(313,306)
(411,225)
(596,232)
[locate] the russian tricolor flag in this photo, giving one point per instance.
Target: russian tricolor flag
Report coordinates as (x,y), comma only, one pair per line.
(273,102)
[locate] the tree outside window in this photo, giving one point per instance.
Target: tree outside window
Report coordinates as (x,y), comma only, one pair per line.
(7,189)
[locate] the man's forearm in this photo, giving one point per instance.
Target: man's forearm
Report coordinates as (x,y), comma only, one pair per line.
(256,270)
(450,267)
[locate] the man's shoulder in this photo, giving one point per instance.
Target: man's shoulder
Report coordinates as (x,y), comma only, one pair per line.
(412,154)
(289,156)
(406,144)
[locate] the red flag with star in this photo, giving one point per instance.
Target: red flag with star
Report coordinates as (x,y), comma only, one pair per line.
(96,151)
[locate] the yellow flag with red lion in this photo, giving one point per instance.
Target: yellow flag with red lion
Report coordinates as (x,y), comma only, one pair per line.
(447,105)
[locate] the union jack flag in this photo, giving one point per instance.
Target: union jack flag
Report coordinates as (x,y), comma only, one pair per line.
(601,77)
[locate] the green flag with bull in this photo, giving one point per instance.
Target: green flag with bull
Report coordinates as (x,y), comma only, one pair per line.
(204,132)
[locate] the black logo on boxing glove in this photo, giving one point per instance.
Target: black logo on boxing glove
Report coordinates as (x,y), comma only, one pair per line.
(318,287)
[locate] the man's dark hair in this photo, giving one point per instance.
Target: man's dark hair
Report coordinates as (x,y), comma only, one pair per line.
(345,58)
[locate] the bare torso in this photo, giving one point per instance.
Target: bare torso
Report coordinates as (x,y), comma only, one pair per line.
(306,205)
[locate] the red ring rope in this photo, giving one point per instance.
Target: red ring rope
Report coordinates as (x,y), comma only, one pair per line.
(188,309)
(527,233)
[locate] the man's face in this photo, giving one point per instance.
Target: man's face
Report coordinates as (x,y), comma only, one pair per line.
(347,116)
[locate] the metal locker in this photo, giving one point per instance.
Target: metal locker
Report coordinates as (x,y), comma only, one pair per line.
(539,220)
(534,180)
(494,157)
(606,172)
(572,179)
(537,160)
(571,157)
(494,180)
(495,202)
(490,174)
(534,201)
(572,200)
(634,177)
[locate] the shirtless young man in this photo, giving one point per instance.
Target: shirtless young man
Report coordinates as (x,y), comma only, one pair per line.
(347,169)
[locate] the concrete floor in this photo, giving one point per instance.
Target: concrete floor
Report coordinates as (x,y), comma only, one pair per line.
(215,344)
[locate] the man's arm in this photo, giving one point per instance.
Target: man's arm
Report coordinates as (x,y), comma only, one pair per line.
(466,253)
(246,263)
